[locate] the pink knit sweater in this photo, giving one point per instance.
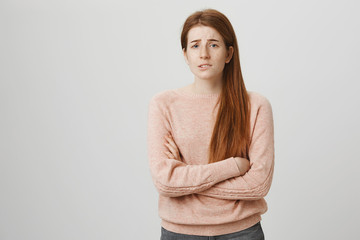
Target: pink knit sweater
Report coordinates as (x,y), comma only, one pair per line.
(195,197)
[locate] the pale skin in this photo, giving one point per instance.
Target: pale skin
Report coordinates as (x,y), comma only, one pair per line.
(205,46)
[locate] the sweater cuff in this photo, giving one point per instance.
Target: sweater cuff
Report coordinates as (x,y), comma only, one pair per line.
(225,169)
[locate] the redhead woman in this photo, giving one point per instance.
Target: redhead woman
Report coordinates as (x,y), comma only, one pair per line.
(211,143)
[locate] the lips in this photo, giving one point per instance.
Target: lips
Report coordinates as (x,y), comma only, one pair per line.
(202,65)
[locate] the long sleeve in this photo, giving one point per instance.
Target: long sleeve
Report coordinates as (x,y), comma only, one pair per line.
(173,178)
(256,182)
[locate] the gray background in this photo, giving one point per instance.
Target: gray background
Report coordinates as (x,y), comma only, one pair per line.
(76,78)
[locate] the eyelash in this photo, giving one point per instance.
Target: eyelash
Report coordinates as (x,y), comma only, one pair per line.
(211,44)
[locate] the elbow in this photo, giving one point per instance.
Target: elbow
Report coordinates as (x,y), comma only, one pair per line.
(260,191)
(166,191)
(265,188)
(161,185)
(258,194)
(168,194)
(263,193)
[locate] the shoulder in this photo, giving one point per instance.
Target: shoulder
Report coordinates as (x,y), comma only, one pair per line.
(162,95)
(258,99)
(162,98)
(261,111)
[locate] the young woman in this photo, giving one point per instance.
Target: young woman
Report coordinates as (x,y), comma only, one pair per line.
(211,143)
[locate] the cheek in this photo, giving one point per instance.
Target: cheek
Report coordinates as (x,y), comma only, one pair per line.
(192,62)
(220,57)
(191,57)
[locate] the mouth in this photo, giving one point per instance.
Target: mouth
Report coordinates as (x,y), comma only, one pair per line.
(204,66)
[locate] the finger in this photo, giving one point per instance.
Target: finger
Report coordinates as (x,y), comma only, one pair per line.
(175,153)
(172,143)
(171,148)
(167,146)
(169,154)
(170,140)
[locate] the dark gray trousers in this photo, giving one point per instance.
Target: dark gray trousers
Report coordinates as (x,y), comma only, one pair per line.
(254,232)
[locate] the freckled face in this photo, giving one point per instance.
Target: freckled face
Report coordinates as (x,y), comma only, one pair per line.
(206,46)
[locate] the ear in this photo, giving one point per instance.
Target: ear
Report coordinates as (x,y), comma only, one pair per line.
(185,56)
(230,54)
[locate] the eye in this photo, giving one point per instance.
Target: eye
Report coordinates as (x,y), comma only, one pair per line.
(194,46)
(213,44)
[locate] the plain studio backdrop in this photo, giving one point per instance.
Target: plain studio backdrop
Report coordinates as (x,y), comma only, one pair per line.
(76,79)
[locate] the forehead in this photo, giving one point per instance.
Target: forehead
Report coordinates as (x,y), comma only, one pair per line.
(203,33)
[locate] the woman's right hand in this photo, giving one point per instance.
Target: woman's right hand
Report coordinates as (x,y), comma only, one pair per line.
(243,164)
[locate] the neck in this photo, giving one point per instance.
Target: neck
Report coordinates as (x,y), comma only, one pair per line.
(207,87)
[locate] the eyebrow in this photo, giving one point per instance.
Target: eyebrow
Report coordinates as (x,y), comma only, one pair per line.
(209,40)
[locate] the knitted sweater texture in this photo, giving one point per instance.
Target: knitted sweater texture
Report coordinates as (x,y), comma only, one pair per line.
(195,197)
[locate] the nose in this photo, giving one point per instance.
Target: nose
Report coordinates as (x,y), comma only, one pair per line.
(204,52)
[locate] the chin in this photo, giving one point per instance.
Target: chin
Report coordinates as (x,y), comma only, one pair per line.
(205,78)
(207,75)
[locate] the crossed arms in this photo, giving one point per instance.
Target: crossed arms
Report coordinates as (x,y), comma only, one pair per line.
(221,179)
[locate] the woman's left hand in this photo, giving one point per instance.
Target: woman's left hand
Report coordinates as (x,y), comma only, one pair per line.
(173,149)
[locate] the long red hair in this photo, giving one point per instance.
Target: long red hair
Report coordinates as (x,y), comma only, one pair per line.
(231,133)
